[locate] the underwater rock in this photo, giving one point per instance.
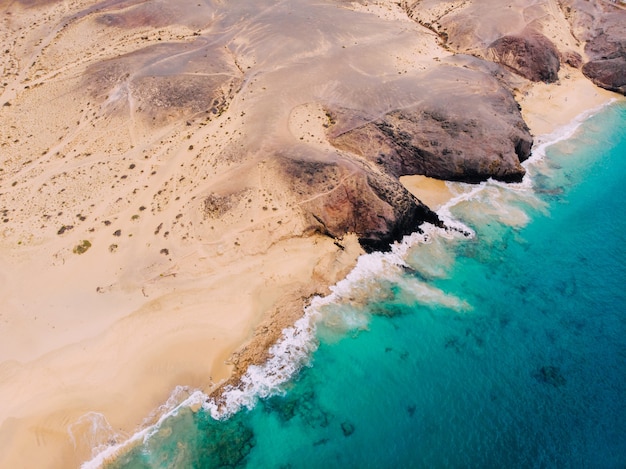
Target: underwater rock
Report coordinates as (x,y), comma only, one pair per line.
(284,408)
(229,445)
(550,375)
(321,442)
(347,428)
(303,405)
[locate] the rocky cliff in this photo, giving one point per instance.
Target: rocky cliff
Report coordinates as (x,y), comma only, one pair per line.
(601,27)
(473,133)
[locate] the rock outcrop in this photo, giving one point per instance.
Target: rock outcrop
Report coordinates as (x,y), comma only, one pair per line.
(608,73)
(198,149)
(597,27)
(572,58)
(343,196)
(529,54)
(482,135)
(607,50)
(474,133)
(602,27)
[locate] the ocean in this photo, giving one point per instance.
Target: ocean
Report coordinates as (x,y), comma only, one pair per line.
(502,349)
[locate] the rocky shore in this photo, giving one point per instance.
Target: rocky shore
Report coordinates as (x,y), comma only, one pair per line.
(177,180)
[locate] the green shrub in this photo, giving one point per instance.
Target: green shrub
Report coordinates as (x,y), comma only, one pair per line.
(82,247)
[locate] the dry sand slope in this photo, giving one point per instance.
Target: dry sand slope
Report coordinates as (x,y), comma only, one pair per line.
(170,191)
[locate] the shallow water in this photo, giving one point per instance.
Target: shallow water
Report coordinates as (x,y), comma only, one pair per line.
(504,350)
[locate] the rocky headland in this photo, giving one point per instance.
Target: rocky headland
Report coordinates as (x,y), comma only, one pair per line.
(178,179)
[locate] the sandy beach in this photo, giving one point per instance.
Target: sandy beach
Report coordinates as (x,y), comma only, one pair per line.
(143,242)
(547,107)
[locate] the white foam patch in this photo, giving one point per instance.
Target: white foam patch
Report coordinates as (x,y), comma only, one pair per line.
(93,431)
(433,259)
(110,452)
(287,357)
(499,202)
(295,348)
(427,295)
(562,133)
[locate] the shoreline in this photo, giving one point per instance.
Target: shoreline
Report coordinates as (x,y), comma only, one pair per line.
(143,252)
(546,108)
(194,348)
(243,392)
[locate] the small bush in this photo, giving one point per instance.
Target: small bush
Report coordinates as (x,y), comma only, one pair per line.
(82,247)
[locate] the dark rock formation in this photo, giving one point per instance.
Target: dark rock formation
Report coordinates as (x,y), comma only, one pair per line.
(607,50)
(347,428)
(608,73)
(466,137)
(231,442)
(463,125)
(343,197)
(607,44)
(550,375)
(572,58)
(406,216)
(530,54)
(603,27)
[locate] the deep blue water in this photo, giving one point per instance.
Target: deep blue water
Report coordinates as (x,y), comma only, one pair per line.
(525,367)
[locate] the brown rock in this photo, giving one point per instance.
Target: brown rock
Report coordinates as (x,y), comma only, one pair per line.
(530,54)
(466,136)
(572,58)
(607,44)
(603,27)
(607,50)
(346,197)
(608,73)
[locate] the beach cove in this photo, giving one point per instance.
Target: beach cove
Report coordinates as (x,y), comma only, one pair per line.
(196,258)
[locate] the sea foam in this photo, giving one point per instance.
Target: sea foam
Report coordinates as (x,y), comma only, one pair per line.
(560,134)
(109,453)
(297,344)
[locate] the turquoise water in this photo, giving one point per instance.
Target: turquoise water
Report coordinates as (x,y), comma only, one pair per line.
(524,367)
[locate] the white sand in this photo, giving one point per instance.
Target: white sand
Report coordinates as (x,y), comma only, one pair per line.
(546,107)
